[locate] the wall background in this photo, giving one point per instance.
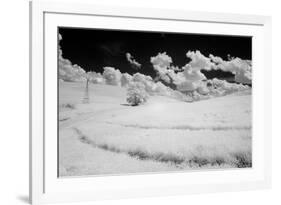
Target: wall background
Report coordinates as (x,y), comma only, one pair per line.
(14,100)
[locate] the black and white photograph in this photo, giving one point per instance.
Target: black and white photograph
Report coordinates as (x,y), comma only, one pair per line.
(134,102)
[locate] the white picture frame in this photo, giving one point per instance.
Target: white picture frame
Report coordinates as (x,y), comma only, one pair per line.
(46,187)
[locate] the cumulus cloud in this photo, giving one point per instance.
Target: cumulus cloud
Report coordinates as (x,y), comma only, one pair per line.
(202,89)
(162,65)
(158,88)
(190,79)
(68,71)
(126,79)
(216,59)
(222,87)
(243,76)
(199,61)
(161,89)
(175,68)
(138,77)
(112,76)
(145,80)
(161,62)
(95,78)
(192,74)
(186,86)
(132,61)
(150,86)
(186,78)
(242,69)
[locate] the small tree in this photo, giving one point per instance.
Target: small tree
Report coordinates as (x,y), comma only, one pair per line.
(136,94)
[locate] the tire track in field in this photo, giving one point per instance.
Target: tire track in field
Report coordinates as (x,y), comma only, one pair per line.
(185,127)
(181,162)
(135,153)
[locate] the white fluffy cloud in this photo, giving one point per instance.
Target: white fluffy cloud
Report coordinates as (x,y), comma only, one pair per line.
(112,76)
(150,86)
(190,79)
(192,74)
(95,78)
(68,71)
(138,77)
(243,76)
(186,86)
(199,61)
(222,87)
(126,79)
(145,80)
(161,89)
(242,69)
(132,61)
(161,62)
(186,78)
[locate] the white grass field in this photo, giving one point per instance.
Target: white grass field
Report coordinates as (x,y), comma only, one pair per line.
(107,136)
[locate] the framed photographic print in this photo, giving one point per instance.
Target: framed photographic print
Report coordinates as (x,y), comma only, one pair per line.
(130,102)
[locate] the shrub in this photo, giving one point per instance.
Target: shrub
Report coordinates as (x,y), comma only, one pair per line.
(136,94)
(66,106)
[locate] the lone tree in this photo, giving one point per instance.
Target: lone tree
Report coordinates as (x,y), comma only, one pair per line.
(86,98)
(136,94)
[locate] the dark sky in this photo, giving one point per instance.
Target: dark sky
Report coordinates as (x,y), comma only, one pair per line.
(93,49)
